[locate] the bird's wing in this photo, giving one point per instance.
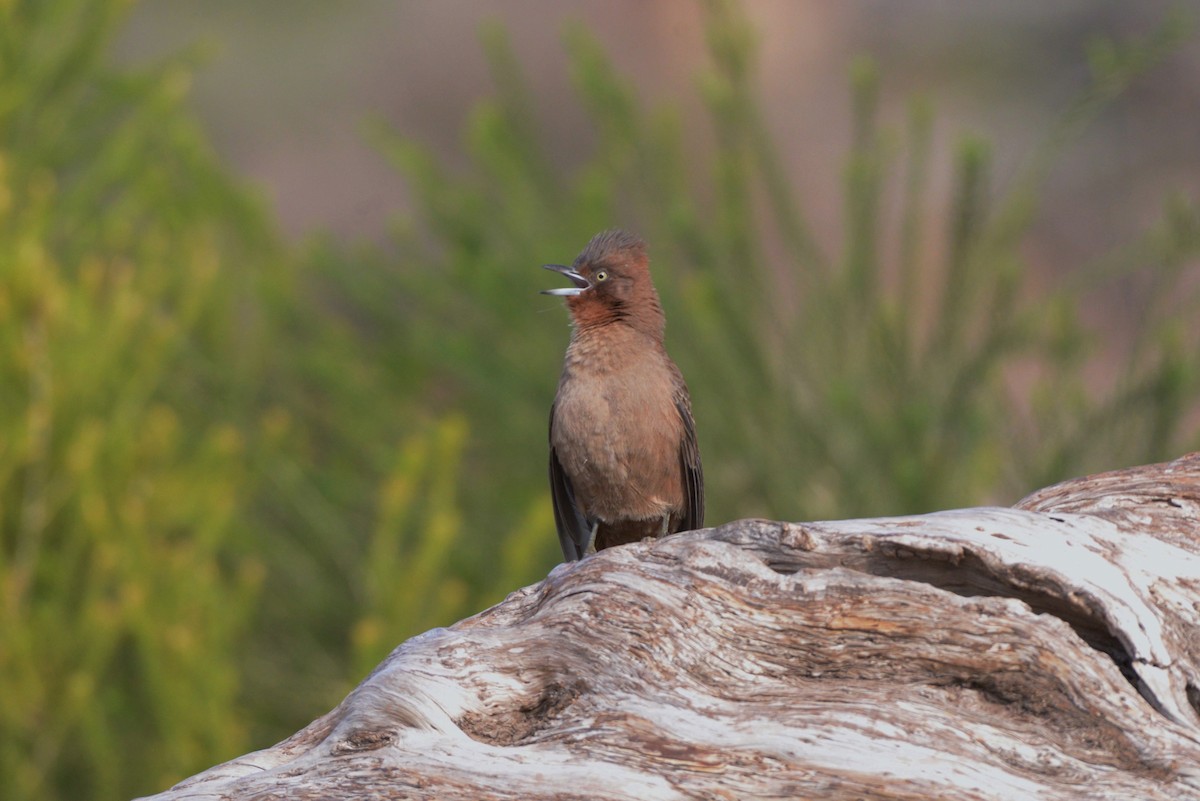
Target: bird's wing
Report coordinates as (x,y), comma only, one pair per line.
(573,529)
(689,463)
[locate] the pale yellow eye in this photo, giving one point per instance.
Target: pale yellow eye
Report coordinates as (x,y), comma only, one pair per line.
(602,275)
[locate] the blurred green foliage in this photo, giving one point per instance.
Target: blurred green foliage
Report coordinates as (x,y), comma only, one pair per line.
(919,366)
(234,475)
(122,472)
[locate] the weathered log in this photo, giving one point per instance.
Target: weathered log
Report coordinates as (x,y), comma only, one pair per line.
(1048,651)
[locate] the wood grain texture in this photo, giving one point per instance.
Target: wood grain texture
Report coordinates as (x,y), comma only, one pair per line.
(1048,651)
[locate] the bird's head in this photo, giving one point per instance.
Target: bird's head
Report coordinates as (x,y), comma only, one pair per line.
(612,283)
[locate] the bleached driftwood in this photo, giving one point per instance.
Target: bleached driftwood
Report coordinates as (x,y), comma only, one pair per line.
(1049,651)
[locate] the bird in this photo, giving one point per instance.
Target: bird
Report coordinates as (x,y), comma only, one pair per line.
(624,459)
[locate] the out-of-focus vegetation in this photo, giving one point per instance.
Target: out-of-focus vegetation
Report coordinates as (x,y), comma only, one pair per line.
(207,501)
(126,267)
(233,475)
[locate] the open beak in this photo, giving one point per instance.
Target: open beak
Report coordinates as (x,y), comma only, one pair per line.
(580,282)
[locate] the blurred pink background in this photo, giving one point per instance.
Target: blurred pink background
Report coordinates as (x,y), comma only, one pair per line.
(288,84)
